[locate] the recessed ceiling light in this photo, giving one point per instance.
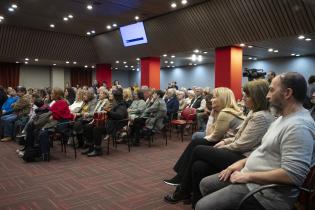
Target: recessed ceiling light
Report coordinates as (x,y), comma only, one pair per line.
(301,37)
(297,55)
(196,51)
(54,64)
(26,62)
(165,55)
(52,26)
(89,7)
(200,58)
(17,62)
(116,68)
(190,64)
(93,67)
(195,64)
(270,50)
(138,59)
(308,39)
(172,62)
(173,56)
(88,33)
(255,59)
(114,25)
(137,17)
(74,62)
(242,45)
(109,27)
(173,5)
(11,9)
(250,58)
(205,52)
(250,46)
(165,61)
(65,19)
(70,16)
(124,62)
(26,59)
(292,54)
(131,66)
(14,6)
(85,66)
(67,62)
(36,59)
(184,2)
(276,51)
(93,32)
(117,61)
(193,57)
(126,66)
(1,17)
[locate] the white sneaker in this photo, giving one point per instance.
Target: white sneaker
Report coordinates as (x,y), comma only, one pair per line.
(21,154)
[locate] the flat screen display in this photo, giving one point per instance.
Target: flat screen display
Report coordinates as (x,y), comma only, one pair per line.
(133,34)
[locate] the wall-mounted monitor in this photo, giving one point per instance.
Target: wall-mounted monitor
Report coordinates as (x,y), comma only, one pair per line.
(133,34)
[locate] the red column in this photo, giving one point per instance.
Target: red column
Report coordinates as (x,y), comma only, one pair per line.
(104,73)
(150,72)
(228,69)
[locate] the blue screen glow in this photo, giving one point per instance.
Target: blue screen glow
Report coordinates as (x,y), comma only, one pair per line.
(133,34)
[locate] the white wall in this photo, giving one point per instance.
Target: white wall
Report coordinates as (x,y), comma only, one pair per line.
(35,76)
(58,77)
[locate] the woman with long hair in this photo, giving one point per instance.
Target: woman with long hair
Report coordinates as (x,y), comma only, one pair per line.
(226,119)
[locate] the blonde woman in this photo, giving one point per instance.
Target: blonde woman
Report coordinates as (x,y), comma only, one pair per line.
(77,104)
(127,96)
(226,119)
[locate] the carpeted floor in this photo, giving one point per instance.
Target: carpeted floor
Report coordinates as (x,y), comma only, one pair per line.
(121,180)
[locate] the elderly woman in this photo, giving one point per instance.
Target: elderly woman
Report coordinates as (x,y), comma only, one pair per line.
(127,96)
(207,160)
(137,106)
(151,118)
(227,117)
(172,104)
(75,107)
(84,116)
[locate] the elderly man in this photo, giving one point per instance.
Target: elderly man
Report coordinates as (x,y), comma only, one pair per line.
(284,157)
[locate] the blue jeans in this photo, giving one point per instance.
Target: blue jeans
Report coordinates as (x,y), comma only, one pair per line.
(7,123)
(198,135)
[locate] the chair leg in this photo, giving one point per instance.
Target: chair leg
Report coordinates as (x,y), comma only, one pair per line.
(182,132)
(74,148)
(108,145)
(165,135)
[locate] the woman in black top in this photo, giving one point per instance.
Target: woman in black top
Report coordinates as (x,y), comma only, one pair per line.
(112,125)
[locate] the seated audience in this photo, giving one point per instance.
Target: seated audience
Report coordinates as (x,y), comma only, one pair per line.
(70,95)
(285,156)
(76,106)
(114,122)
(207,160)
(84,116)
(127,96)
(227,118)
(137,107)
(172,104)
(7,107)
(152,117)
(21,109)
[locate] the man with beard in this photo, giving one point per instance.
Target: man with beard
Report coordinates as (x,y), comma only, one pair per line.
(284,157)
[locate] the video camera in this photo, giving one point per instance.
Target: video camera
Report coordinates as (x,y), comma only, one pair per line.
(254,74)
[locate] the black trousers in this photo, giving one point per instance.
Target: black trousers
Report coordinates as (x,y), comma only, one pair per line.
(205,161)
(138,124)
(183,162)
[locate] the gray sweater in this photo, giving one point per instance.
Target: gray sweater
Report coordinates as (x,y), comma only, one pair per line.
(288,144)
